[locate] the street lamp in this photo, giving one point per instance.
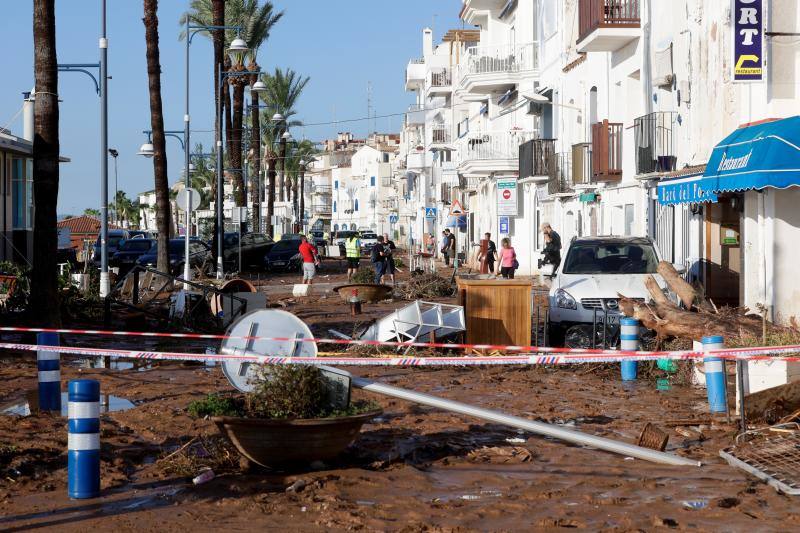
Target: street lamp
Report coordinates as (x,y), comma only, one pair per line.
(191,31)
(101,87)
(146,150)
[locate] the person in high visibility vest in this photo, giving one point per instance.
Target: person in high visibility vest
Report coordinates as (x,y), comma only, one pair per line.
(352,247)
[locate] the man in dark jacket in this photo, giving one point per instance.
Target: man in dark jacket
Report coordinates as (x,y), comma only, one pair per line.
(378,258)
(448,246)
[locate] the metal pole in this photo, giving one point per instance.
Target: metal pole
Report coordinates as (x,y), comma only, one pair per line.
(116,192)
(105,284)
(187,272)
(601,443)
(220,192)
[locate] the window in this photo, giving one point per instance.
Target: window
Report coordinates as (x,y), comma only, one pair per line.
(353,227)
(22,193)
(335,226)
(356,204)
(334,206)
(372,181)
(385,158)
(611,258)
(628,219)
(336,184)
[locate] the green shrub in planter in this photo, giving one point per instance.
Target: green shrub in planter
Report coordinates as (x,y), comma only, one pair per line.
(364,275)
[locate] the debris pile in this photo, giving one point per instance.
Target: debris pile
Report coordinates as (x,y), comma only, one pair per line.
(426,286)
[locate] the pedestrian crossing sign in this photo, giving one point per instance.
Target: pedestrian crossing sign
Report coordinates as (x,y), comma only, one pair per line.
(430,212)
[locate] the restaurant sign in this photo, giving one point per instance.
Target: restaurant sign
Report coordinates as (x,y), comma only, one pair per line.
(748,40)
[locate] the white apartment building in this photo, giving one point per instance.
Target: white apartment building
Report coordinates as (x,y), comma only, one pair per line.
(596,106)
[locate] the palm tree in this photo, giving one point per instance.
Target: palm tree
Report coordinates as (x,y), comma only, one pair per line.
(283,91)
(159,141)
(44,278)
(91,212)
(303,151)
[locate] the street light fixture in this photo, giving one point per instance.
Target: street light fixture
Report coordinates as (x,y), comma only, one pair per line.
(146,150)
(258,87)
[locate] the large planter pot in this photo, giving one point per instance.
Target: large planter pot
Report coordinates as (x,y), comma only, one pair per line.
(367,292)
(274,443)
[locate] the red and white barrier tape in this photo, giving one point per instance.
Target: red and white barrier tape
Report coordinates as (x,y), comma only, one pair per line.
(734,352)
(522,359)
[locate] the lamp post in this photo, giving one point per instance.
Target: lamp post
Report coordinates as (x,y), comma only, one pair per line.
(301,193)
(113,152)
(101,87)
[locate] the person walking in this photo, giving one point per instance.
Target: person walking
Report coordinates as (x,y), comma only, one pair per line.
(508,259)
(491,253)
(552,247)
(352,247)
(389,247)
(310,260)
(430,244)
(378,258)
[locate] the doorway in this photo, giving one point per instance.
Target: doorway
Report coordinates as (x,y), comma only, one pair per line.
(722,262)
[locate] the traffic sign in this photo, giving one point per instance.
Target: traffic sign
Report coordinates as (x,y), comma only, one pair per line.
(456,209)
(190,196)
(239,215)
(504,225)
(430,212)
(507,196)
(393,219)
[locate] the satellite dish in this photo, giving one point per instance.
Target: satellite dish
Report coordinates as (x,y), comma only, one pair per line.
(271,323)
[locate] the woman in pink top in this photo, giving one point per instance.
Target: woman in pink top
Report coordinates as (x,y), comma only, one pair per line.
(507,258)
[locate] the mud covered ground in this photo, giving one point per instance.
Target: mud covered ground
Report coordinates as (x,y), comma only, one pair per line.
(412,469)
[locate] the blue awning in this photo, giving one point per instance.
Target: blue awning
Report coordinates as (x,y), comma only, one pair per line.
(684,190)
(753,157)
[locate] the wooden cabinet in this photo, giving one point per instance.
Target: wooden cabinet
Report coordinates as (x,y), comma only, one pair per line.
(497,311)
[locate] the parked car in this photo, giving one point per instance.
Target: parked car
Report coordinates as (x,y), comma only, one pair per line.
(199,255)
(115,238)
(342,236)
(594,272)
(130,252)
(254,247)
(142,234)
(318,238)
(284,256)
(368,241)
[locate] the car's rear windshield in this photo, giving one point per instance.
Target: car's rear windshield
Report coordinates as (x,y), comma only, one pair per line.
(346,234)
(136,245)
(610,258)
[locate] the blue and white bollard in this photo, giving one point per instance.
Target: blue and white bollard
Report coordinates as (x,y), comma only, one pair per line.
(715,375)
(83,461)
(629,341)
(49,366)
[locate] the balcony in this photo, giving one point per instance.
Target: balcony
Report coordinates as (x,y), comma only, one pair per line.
(321,208)
(415,116)
(321,190)
(440,134)
(415,74)
(581,164)
(486,153)
(655,151)
(537,157)
(607,25)
(491,68)
(562,181)
(606,151)
(441,81)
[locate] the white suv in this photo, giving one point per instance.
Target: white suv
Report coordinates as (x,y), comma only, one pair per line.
(594,272)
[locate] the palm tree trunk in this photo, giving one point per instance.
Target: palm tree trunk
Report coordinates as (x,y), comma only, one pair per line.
(302,188)
(270,194)
(236,153)
(44,281)
(163,217)
(218,13)
(255,182)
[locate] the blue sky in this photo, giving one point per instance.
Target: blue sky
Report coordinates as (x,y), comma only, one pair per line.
(342,45)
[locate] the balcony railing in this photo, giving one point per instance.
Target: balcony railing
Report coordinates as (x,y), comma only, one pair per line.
(321,189)
(562,182)
(594,14)
(387,182)
(497,145)
(321,208)
(440,134)
(441,78)
(581,163)
(537,157)
(607,151)
(655,151)
(501,58)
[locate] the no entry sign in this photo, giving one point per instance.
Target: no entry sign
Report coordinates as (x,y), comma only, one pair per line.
(507,197)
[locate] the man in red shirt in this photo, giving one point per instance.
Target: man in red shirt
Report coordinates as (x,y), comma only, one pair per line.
(310,259)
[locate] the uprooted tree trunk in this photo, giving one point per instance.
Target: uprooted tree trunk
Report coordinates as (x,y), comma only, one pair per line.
(698,319)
